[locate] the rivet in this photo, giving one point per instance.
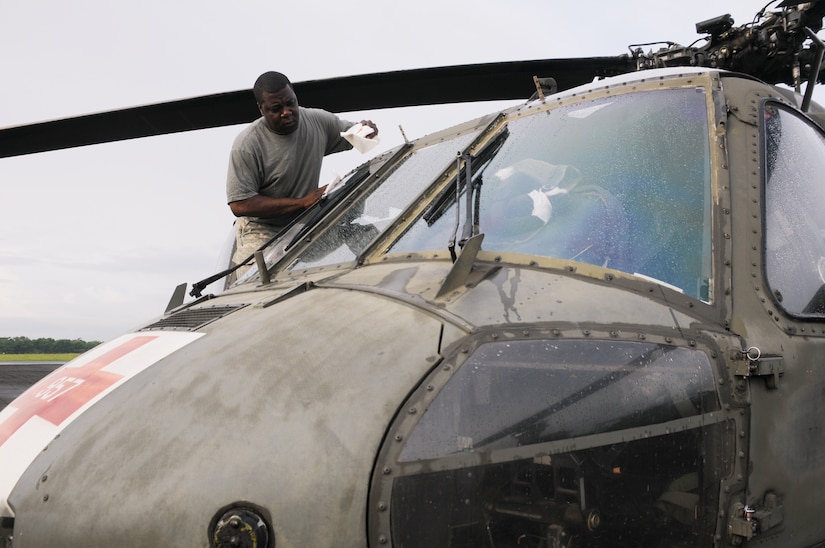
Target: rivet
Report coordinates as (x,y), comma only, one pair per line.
(412,411)
(399,437)
(387,470)
(382,506)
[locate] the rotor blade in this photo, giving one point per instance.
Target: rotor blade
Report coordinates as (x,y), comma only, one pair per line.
(159,119)
(456,84)
(463,83)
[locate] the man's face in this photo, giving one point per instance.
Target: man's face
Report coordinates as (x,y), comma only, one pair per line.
(280,110)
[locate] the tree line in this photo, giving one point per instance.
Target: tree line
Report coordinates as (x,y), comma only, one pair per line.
(25,345)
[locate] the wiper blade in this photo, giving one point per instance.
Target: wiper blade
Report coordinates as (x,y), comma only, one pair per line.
(468,185)
(440,204)
(198,287)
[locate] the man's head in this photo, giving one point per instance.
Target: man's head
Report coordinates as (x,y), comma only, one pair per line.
(277,102)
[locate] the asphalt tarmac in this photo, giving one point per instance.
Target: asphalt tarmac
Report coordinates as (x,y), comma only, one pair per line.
(16,377)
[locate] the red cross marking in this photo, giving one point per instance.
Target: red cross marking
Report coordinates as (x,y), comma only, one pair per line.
(59,394)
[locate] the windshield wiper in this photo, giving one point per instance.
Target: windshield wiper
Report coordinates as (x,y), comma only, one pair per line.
(469,188)
(471,192)
(441,202)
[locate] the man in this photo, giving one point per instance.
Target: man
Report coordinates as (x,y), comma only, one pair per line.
(275,163)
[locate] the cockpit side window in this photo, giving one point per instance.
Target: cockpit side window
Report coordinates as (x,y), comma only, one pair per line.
(794,232)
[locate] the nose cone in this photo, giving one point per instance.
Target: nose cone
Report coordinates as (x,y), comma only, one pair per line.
(282,407)
(36,417)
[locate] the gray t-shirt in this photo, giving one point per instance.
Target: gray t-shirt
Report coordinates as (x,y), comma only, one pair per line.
(283,166)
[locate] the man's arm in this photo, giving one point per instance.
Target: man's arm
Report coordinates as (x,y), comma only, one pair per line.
(265,206)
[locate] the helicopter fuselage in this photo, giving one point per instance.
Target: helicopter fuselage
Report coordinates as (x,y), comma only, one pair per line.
(594,319)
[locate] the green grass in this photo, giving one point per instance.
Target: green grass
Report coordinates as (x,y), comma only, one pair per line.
(37,357)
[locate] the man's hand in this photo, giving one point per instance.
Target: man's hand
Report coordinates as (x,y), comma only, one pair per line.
(369,123)
(264,206)
(313,196)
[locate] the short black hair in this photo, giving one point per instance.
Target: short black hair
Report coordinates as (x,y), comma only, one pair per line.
(269,82)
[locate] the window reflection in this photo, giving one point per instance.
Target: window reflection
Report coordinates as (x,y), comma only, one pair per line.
(794,224)
(519,393)
(621,182)
(532,443)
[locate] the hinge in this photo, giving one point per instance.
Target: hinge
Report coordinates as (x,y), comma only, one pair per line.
(747,521)
(752,363)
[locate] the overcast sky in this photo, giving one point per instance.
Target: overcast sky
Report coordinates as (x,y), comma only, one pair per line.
(93,240)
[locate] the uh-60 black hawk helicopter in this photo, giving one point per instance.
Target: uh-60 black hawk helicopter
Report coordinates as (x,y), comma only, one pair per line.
(593,319)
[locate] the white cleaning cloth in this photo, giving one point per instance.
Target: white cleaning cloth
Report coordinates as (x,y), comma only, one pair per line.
(357,136)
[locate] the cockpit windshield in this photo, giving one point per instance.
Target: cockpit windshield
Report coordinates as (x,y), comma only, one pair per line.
(621,182)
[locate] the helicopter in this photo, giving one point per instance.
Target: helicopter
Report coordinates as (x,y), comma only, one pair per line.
(591,319)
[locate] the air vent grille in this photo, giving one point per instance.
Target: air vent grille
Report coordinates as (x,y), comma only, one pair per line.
(193,319)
